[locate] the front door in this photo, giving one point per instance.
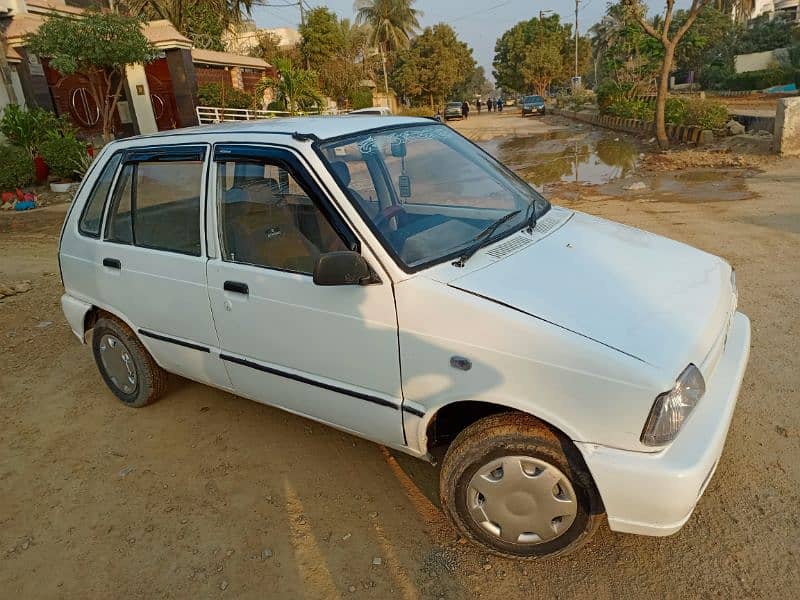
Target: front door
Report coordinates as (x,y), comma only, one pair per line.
(329,353)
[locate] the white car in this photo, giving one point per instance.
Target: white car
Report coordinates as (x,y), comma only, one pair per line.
(382,111)
(387,277)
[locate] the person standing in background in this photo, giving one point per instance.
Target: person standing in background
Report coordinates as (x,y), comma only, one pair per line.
(465,109)
(478,105)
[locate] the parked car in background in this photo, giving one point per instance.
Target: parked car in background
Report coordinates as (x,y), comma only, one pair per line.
(562,368)
(453,111)
(382,111)
(533,105)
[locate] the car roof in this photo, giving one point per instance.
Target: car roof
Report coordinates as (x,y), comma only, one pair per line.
(323,127)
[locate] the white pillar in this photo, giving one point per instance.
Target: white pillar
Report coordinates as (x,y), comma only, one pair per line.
(140,99)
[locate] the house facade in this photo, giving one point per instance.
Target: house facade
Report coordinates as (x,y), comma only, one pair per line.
(159,95)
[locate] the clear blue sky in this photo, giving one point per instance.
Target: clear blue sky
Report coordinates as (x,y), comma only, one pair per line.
(479,23)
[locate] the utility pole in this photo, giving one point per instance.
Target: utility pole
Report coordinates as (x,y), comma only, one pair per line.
(302,13)
(577,3)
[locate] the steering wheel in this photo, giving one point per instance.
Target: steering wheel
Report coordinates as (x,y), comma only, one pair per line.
(394,211)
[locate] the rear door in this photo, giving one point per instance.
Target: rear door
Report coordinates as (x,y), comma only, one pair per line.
(330,353)
(151,262)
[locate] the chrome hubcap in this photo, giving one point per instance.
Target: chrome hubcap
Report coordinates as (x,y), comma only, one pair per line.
(118,363)
(522,500)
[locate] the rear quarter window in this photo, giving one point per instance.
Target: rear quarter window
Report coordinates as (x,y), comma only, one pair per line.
(92,216)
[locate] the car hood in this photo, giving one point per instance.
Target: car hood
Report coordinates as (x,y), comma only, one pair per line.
(660,301)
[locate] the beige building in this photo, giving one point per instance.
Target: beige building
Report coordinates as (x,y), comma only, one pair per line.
(243,38)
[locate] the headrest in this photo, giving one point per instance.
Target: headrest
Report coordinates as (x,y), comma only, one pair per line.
(341,171)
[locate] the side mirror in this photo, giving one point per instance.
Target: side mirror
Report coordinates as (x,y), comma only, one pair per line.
(342,268)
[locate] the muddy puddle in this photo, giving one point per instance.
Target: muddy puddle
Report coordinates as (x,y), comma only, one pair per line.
(603,163)
(566,156)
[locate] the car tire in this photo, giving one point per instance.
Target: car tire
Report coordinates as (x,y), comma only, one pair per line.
(125,365)
(517,439)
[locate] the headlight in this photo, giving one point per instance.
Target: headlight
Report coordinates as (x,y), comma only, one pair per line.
(671,408)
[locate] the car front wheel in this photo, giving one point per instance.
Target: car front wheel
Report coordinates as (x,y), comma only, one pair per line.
(514,486)
(125,364)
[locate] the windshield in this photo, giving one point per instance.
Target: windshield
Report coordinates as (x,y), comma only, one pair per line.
(532,99)
(454,105)
(427,192)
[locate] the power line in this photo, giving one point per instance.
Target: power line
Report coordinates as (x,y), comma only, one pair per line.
(479,12)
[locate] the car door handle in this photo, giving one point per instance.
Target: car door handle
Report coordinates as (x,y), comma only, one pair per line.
(112,263)
(236,286)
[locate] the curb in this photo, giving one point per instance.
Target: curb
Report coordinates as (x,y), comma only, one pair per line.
(676,133)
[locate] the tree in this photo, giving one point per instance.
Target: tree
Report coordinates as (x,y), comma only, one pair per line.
(269,48)
(98,47)
(337,49)
(391,23)
(711,41)
(662,34)
(533,54)
(322,36)
(476,84)
(434,65)
(627,58)
(295,88)
(202,21)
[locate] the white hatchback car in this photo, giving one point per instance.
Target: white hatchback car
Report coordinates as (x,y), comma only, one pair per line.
(387,277)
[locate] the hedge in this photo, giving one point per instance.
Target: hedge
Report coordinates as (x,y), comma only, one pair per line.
(210,94)
(16,168)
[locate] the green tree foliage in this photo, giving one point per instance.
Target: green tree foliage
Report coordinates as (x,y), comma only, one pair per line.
(536,53)
(97,47)
(434,65)
(661,31)
(767,34)
(295,89)
(202,21)
(476,84)
(16,168)
(268,48)
(391,24)
(338,50)
(627,58)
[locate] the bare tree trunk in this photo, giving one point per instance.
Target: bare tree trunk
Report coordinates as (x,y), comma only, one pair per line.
(385,76)
(661,97)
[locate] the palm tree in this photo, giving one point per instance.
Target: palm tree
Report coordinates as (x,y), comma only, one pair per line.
(295,88)
(179,12)
(391,22)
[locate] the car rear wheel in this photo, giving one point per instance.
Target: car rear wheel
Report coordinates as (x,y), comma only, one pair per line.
(514,486)
(125,364)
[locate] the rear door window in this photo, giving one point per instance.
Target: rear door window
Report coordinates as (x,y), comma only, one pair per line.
(92,216)
(157,204)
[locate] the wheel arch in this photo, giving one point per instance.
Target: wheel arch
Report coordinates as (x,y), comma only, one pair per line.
(440,426)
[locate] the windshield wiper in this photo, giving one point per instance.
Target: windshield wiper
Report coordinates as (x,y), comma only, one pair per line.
(483,238)
(530,217)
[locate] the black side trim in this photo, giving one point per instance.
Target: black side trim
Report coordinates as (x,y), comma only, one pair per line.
(413,411)
(164,338)
(301,379)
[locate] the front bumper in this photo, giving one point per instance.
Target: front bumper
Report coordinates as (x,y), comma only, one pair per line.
(655,493)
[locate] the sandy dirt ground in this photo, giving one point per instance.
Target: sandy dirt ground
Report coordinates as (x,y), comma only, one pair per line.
(206,495)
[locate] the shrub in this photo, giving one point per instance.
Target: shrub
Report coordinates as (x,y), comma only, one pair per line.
(416,111)
(29,129)
(609,92)
(759,80)
(706,114)
(16,168)
(360,98)
(64,156)
(676,111)
(210,94)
